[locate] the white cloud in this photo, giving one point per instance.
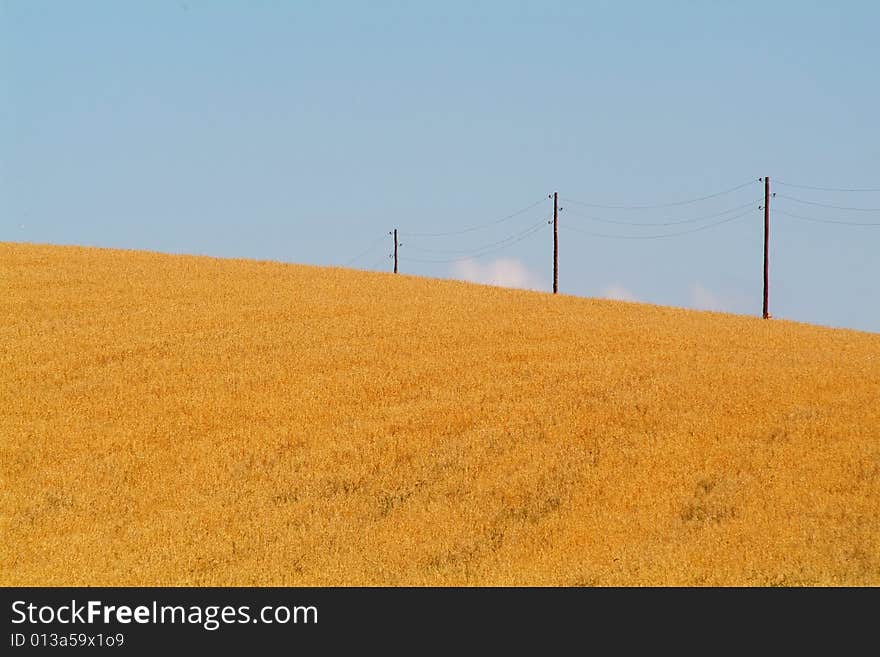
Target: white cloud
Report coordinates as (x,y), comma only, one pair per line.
(618,293)
(703,299)
(505,272)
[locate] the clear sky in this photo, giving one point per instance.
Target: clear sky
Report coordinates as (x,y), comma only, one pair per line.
(304,131)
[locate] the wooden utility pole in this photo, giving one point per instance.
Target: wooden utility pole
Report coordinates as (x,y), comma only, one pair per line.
(555,242)
(766,246)
(395,250)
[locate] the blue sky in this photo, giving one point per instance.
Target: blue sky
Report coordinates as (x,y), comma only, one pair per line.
(304,131)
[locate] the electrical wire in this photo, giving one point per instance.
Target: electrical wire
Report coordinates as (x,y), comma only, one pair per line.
(825,205)
(829,189)
(532,231)
(479,248)
(470,229)
(384,258)
(661,205)
(826,221)
(365,251)
(657,223)
(661,236)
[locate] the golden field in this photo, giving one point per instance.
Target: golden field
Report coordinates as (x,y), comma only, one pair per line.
(178,420)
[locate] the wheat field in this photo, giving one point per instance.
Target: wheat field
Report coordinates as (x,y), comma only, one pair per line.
(180,420)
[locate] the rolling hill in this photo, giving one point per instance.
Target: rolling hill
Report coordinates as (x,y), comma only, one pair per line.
(181,420)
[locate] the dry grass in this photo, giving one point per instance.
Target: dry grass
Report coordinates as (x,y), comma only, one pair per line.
(174,420)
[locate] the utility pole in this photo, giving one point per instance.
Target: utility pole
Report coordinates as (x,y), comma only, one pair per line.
(555,242)
(766,246)
(395,250)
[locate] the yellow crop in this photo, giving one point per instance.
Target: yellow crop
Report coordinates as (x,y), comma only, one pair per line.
(175,420)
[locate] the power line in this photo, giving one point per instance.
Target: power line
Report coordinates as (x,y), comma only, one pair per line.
(660,205)
(532,231)
(665,223)
(660,236)
(365,251)
(470,229)
(825,205)
(478,254)
(827,221)
(384,258)
(723,217)
(479,248)
(830,189)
